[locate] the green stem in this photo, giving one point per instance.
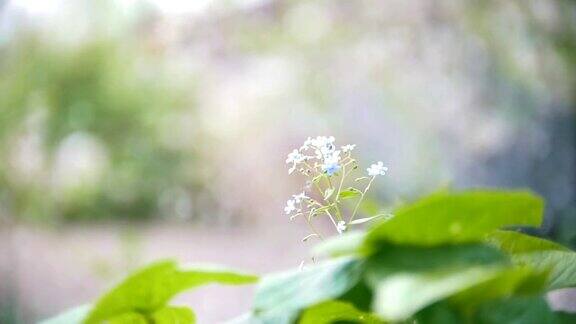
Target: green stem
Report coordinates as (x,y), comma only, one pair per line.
(361,199)
(338,214)
(332,219)
(344,174)
(311,225)
(327,212)
(313,229)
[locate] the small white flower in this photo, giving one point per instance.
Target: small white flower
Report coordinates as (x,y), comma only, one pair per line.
(331,156)
(331,163)
(290,206)
(377,169)
(348,148)
(321,141)
(341,227)
(322,145)
(295,157)
(324,151)
(299,197)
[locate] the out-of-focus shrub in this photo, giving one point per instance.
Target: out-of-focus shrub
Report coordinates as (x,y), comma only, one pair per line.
(85,132)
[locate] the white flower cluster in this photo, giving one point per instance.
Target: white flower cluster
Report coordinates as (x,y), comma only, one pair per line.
(327,168)
(377,169)
(291,203)
(325,155)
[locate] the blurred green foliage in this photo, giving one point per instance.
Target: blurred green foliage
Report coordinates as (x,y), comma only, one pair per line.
(453,263)
(116,96)
(143,297)
(458,262)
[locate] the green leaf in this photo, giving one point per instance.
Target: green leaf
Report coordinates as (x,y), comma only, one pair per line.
(151,288)
(174,315)
(281,297)
(509,282)
(456,218)
(75,315)
(349,243)
(399,296)
(439,313)
(539,254)
(561,264)
(337,311)
(349,193)
(518,310)
(565,318)
(515,242)
(360,296)
(392,259)
(407,279)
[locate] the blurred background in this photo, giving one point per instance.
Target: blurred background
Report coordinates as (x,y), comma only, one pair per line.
(134,130)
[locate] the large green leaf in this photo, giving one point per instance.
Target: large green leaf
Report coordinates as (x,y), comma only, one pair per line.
(337,311)
(407,279)
(392,259)
(446,218)
(151,288)
(561,264)
(516,281)
(515,242)
(400,295)
(540,254)
(281,297)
